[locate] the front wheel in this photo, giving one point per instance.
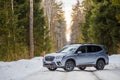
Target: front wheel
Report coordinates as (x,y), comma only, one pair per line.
(82,68)
(69,66)
(100,65)
(52,68)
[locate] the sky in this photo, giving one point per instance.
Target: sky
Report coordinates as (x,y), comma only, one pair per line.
(67,7)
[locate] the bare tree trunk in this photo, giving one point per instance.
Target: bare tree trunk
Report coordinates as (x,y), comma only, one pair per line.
(31,30)
(14,40)
(12,5)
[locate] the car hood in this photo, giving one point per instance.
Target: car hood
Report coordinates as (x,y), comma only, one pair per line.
(56,54)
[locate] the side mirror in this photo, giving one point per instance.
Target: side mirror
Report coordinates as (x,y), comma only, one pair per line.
(79,52)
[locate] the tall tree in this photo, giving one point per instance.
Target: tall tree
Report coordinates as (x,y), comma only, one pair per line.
(31,30)
(56,22)
(41,31)
(15,26)
(102,25)
(7,30)
(78,17)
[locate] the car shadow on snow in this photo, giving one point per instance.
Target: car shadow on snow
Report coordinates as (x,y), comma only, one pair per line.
(77,70)
(83,70)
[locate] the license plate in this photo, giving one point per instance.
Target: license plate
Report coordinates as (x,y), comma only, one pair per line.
(48,62)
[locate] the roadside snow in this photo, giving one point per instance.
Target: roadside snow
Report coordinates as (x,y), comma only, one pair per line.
(114,62)
(115,59)
(19,69)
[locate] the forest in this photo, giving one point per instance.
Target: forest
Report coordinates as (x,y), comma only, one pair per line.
(31,28)
(100,24)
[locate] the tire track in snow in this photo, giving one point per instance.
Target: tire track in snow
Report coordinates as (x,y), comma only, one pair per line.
(106,73)
(93,73)
(109,74)
(76,74)
(80,75)
(98,78)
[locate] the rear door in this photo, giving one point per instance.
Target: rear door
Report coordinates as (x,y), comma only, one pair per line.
(92,53)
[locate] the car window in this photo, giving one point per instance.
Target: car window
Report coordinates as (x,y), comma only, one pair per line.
(68,49)
(98,48)
(93,49)
(83,49)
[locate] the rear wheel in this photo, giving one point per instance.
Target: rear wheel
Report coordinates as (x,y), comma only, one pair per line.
(82,67)
(69,66)
(100,65)
(52,68)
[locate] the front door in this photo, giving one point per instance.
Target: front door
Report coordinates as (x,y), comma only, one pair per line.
(81,58)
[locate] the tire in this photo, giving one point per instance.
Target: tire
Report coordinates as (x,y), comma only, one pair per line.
(82,67)
(100,65)
(52,68)
(69,66)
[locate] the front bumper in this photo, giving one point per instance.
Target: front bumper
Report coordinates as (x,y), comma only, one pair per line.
(58,64)
(49,64)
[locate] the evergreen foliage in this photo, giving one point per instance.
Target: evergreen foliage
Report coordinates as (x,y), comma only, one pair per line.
(14,30)
(41,33)
(102,24)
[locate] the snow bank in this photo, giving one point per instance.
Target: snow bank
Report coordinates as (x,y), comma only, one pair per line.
(114,61)
(17,69)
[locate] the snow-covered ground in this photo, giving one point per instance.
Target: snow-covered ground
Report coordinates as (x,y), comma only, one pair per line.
(21,68)
(32,70)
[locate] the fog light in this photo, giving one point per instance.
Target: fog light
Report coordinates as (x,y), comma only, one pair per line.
(59,63)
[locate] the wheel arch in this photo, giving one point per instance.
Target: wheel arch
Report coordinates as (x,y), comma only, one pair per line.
(100,59)
(71,59)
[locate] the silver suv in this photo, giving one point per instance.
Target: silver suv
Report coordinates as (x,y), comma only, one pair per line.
(77,55)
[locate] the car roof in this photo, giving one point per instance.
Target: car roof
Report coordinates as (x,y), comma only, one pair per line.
(85,44)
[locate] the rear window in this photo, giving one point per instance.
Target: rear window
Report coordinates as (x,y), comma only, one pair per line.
(93,48)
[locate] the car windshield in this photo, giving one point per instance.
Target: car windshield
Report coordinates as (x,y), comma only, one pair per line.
(68,49)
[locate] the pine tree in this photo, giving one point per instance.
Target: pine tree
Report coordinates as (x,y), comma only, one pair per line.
(14,29)
(41,32)
(56,23)
(8,28)
(103,25)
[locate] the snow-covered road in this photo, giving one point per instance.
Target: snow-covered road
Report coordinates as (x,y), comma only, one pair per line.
(89,74)
(32,70)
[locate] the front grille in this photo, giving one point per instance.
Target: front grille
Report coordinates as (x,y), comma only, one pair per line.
(49,58)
